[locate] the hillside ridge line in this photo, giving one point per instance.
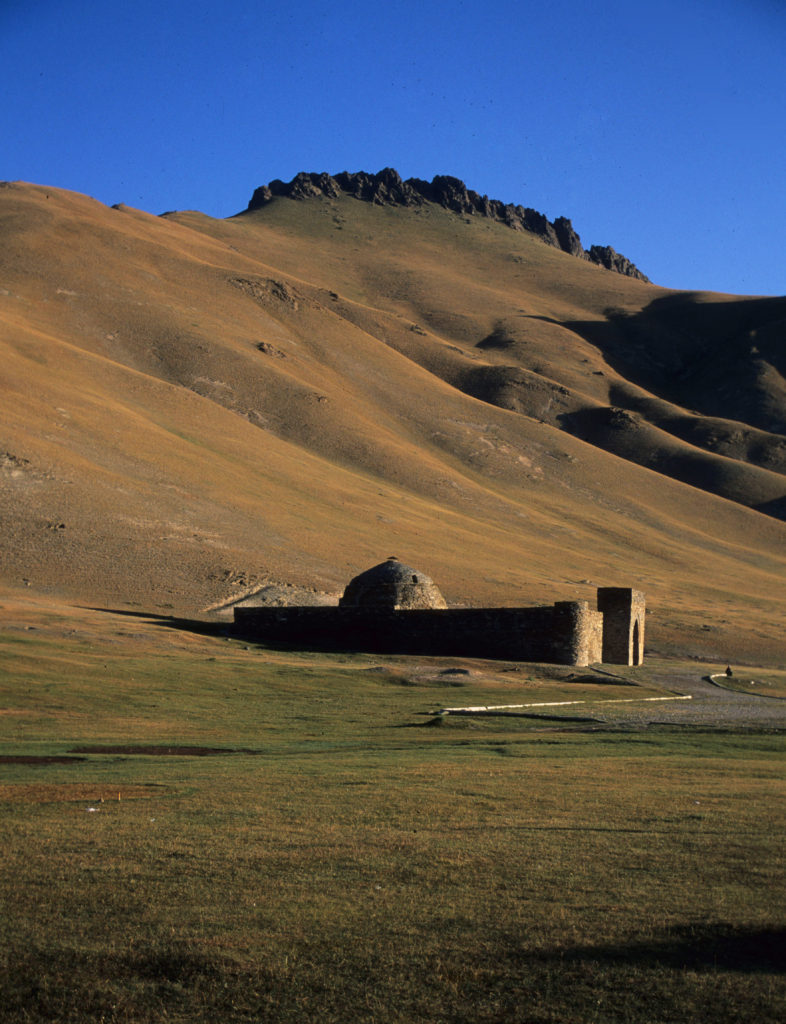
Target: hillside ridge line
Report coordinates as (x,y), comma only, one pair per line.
(387,188)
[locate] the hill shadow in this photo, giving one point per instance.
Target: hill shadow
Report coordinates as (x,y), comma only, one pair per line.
(711,411)
(711,947)
(716,358)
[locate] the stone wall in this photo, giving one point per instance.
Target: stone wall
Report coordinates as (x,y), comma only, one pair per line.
(623,625)
(589,632)
(568,633)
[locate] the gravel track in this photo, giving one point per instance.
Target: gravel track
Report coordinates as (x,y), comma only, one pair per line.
(712,706)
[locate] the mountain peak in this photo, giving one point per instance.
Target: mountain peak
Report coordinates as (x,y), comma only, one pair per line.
(387,188)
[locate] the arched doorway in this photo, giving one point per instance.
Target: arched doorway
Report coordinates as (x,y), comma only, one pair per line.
(637,651)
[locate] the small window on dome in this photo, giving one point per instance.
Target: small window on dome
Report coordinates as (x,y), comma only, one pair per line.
(414,579)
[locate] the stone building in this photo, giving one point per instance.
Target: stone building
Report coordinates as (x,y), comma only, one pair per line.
(395,609)
(393,585)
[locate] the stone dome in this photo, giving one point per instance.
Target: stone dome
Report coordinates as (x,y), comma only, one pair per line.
(393,585)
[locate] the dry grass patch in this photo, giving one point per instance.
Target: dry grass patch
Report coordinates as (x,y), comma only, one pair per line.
(546,883)
(75,792)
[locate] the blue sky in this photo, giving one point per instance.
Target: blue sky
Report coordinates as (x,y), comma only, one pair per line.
(659,129)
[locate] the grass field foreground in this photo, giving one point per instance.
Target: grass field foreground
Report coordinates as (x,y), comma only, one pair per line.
(330,854)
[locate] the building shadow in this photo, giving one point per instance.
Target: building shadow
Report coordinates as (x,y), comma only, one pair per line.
(174,622)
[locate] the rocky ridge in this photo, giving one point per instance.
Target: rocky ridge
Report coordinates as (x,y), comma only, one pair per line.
(387,188)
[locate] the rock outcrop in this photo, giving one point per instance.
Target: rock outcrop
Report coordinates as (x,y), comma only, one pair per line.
(609,258)
(387,188)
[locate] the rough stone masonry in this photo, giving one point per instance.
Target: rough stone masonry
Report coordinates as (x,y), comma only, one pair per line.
(395,609)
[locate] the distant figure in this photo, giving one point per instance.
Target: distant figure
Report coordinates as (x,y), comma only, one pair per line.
(729,671)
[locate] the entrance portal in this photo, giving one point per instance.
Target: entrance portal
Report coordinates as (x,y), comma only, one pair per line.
(637,651)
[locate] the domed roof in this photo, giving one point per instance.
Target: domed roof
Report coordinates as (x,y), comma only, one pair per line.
(393,585)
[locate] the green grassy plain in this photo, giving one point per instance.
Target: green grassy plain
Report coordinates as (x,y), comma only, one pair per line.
(338,856)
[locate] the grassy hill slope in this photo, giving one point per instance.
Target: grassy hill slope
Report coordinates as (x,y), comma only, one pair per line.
(194,407)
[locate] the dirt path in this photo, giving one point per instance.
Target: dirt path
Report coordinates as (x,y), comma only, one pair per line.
(695,700)
(711,706)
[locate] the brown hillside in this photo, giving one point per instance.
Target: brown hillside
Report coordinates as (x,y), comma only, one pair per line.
(195,407)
